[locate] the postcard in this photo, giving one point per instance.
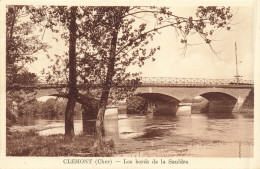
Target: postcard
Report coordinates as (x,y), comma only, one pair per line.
(129,84)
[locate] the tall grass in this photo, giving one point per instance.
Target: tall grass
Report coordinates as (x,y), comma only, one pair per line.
(32,144)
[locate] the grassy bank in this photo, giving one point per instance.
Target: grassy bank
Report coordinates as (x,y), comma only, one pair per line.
(30,143)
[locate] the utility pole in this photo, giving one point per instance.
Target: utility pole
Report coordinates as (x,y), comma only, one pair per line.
(236,76)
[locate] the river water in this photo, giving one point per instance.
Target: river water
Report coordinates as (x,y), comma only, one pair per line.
(198,135)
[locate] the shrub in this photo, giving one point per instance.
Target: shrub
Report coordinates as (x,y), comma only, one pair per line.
(136,105)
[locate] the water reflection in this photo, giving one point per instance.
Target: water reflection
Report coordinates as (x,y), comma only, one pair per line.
(36,120)
(140,132)
(199,126)
(221,116)
(131,126)
(147,127)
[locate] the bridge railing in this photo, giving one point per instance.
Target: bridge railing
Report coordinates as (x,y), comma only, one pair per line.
(170,81)
(44,81)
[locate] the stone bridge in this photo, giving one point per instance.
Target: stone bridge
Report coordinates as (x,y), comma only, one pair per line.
(165,95)
(167,100)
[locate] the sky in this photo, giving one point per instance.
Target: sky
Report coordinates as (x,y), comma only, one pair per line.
(199,61)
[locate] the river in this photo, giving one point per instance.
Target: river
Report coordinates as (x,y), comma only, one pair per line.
(198,135)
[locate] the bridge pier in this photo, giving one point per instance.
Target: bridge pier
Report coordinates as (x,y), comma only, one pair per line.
(162,108)
(169,108)
(184,109)
(239,103)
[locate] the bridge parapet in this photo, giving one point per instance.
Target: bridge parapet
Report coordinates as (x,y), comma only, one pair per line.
(196,82)
(60,82)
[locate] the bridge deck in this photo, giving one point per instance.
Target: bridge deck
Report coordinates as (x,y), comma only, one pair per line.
(157,81)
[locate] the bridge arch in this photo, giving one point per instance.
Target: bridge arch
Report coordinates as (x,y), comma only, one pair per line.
(217,96)
(158,96)
(220,102)
(160,104)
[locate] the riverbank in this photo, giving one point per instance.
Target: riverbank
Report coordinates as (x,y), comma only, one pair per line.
(30,143)
(186,148)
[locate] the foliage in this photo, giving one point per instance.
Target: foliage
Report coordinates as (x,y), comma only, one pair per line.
(200,107)
(187,100)
(51,107)
(21,44)
(15,101)
(10,118)
(136,105)
(118,37)
(119,41)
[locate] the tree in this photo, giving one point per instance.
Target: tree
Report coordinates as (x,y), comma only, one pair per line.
(69,127)
(50,18)
(21,44)
(115,33)
(104,41)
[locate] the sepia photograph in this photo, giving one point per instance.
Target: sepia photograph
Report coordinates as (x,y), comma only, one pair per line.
(129,81)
